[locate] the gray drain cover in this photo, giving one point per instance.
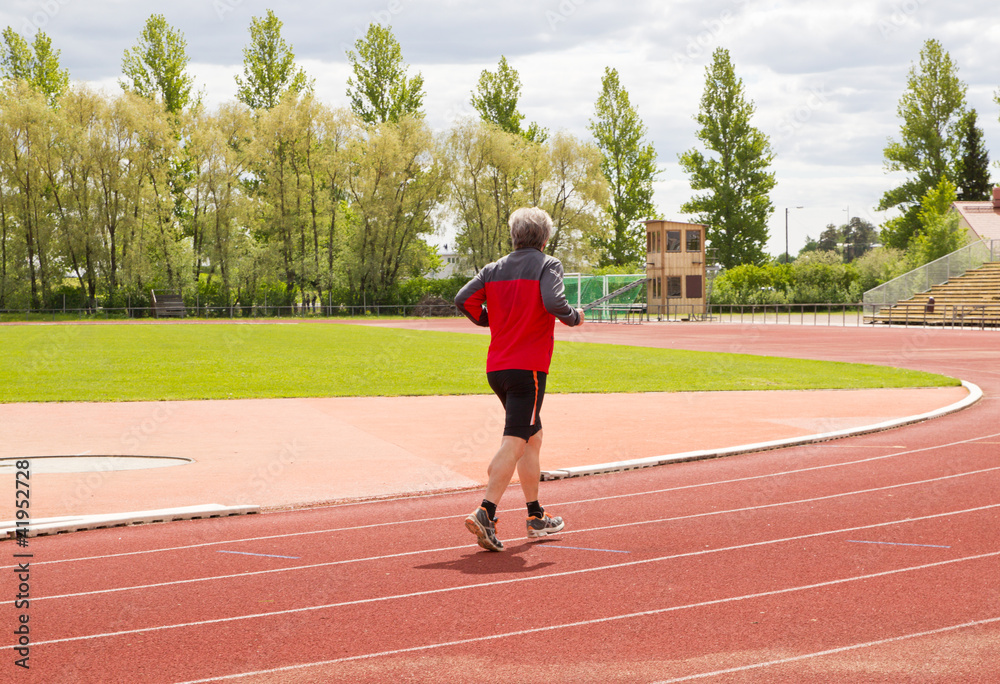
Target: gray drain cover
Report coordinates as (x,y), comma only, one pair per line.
(91,464)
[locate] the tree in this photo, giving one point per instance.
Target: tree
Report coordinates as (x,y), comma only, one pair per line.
(974,163)
(931,109)
(940,233)
(488,180)
(394,183)
(492,172)
(829,239)
(859,236)
(737,181)
(156,67)
(269,69)
(574,194)
(380,90)
(811,245)
(629,164)
(26,124)
(37,64)
(495,98)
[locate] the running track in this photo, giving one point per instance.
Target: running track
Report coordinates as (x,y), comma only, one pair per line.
(869,559)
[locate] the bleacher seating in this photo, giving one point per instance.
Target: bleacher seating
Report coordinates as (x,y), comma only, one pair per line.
(972,299)
(168,304)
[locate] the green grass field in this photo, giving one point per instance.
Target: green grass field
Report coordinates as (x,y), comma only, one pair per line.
(226,361)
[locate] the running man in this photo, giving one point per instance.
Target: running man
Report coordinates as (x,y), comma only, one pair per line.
(519,297)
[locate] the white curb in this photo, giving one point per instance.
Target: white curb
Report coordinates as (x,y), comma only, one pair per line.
(975,394)
(75,523)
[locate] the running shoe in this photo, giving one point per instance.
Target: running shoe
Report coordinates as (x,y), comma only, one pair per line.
(479,524)
(540,527)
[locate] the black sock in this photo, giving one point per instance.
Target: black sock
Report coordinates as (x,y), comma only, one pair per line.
(491,509)
(535,510)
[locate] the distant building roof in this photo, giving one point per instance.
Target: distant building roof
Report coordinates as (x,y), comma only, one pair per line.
(982,218)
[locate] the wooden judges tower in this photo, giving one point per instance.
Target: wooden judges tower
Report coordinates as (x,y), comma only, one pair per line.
(675,269)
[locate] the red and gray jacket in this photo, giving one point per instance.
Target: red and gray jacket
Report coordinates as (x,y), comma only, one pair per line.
(519,297)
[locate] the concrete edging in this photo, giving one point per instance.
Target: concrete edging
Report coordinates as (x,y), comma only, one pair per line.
(975,394)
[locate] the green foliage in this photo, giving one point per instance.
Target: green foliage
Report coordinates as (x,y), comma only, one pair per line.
(940,232)
(619,269)
(753,284)
(394,181)
(878,266)
(495,98)
(37,64)
(493,172)
(974,163)
(269,69)
(816,277)
(379,89)
(851,240)
(737,182)
(629,164)
(111,363)
(822,278)
(931,110)
(412,290)
(156,67)
(496,95)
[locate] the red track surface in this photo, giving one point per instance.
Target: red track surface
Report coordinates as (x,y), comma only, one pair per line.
(870,559)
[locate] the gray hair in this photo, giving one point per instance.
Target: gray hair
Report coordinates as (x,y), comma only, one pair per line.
(530,227)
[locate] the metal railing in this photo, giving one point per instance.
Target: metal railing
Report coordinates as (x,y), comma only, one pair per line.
(824,314)
(827,315)
(927,276)
(235,312)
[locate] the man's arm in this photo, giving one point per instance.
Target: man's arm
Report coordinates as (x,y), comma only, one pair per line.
(470,301)
(554,294)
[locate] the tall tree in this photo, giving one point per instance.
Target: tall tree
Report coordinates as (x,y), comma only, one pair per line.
(574,194)
(629,164)
(380,90)
(974,162)
(26,131)
(38,64)
(156,67)
(737,181)
(488,181)
(496,97)
(931,109)
(269,69)
(394,183)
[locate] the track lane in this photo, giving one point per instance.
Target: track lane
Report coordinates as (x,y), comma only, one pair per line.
(644,648)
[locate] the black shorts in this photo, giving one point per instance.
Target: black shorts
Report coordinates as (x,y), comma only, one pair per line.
(521,393)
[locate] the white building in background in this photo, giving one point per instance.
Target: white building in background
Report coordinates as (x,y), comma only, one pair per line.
(449,263)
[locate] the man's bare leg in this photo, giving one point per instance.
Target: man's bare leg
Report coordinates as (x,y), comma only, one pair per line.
(529,468)
(503,465)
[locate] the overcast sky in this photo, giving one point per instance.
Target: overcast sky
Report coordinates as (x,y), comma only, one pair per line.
(825,76)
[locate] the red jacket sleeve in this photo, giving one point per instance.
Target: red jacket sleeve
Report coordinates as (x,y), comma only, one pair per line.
(471,299)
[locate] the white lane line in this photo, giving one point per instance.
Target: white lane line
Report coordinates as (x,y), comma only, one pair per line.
(931,546)
(566,573)
(632,523)
(819,654)
(612,618)
(265,555)
(287,535)
(578,548)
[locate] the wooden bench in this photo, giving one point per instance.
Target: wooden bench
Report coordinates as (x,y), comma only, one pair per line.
(168,304)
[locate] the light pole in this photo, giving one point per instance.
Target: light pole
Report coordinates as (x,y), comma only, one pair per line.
(786,231)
